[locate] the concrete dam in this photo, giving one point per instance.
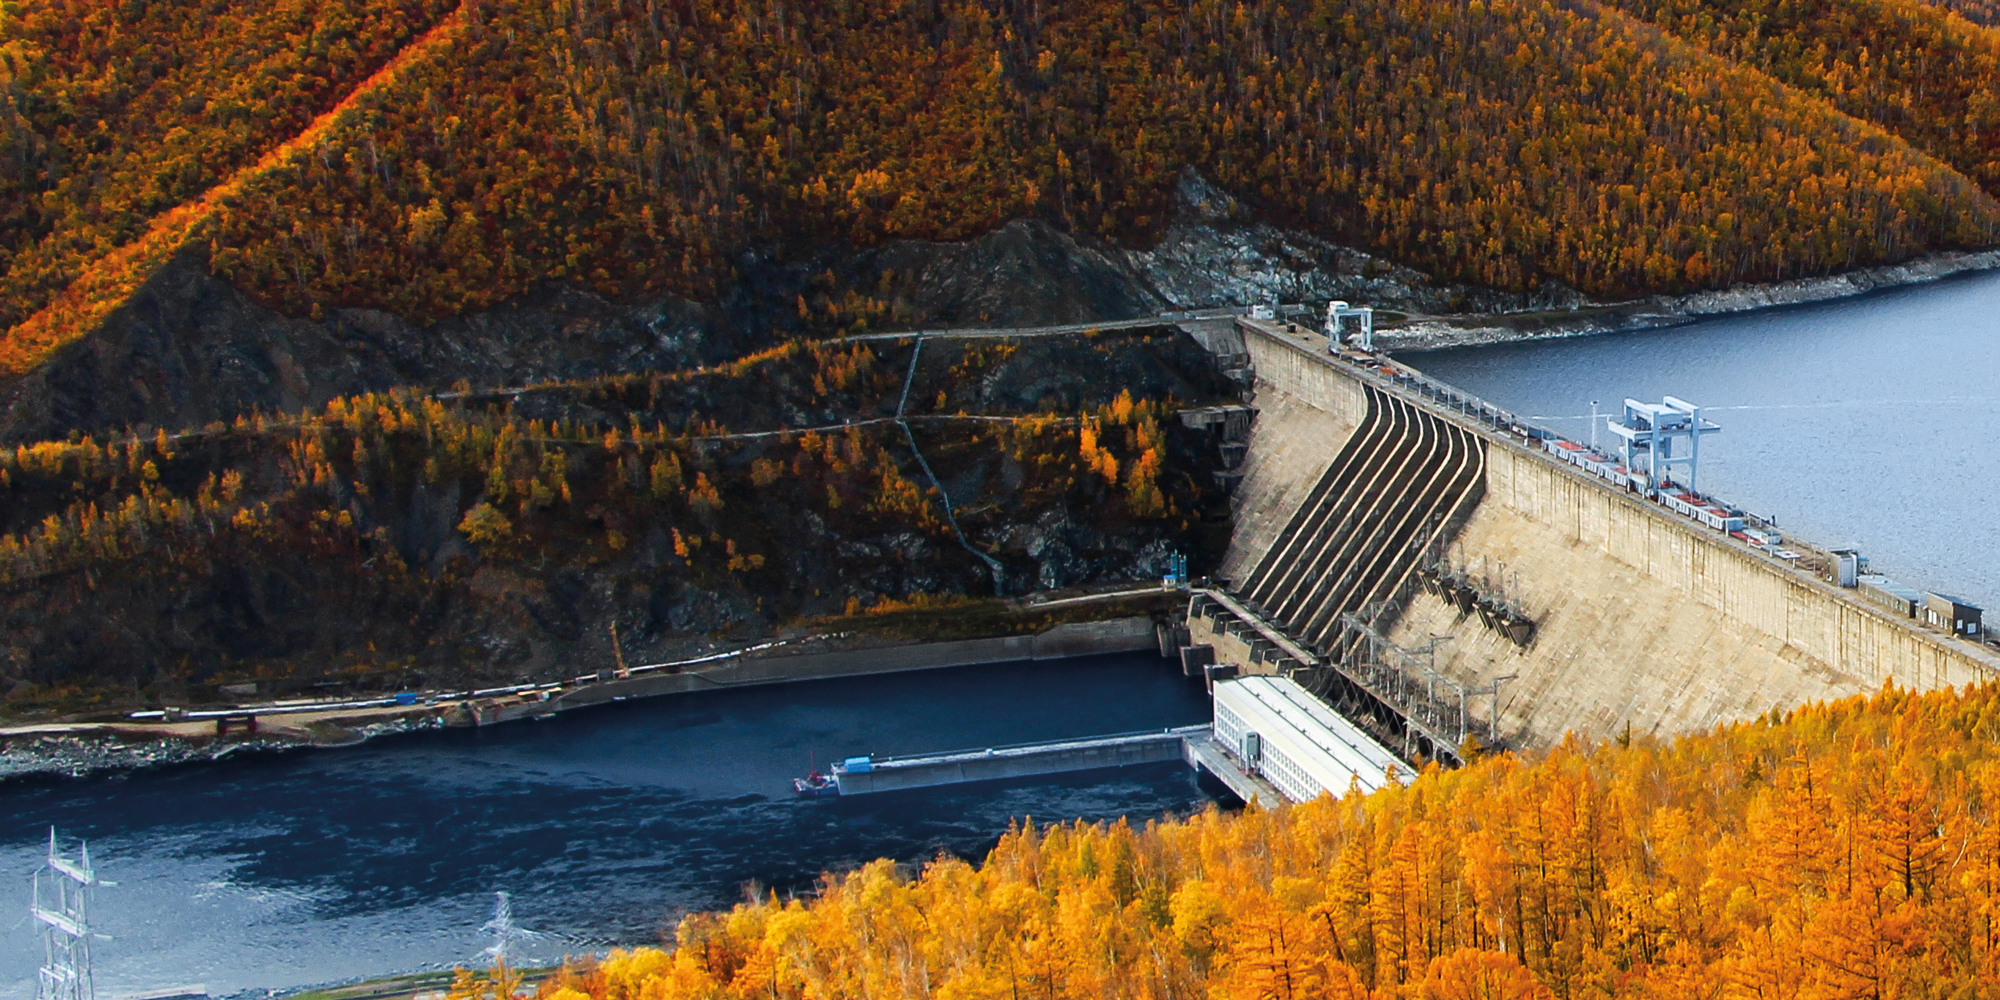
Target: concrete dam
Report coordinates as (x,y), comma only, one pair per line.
(1422,562)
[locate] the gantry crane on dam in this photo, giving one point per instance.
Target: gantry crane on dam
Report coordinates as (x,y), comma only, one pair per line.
(1636,601)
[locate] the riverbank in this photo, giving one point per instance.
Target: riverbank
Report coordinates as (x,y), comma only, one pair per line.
(415,985)
(306,870)
(1585,319)
(1081,625)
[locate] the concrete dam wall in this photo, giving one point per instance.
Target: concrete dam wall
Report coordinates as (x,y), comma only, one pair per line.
(1423,554)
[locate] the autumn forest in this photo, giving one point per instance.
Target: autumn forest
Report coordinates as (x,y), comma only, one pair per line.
(1845,851)
(348,167)
(404,538)
(431,158)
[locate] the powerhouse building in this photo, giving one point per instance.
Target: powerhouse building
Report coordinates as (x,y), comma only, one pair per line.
(1279,731)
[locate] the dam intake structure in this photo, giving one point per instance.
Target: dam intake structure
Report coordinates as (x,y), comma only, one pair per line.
(1599,604)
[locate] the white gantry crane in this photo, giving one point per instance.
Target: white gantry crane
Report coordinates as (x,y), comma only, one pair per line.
(1651,429)
(1350,325)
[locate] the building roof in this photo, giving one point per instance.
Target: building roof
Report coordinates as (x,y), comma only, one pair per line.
(1888,586)
(1336,751)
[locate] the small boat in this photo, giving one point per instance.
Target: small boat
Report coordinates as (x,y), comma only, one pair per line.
(815,786)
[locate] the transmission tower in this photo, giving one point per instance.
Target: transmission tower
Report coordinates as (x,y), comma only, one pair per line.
(62,906)
(501,927)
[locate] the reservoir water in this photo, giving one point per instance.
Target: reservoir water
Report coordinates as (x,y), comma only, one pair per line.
(1866,421)
(280,870)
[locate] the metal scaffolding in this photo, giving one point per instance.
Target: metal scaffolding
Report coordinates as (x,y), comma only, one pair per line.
(1432,705)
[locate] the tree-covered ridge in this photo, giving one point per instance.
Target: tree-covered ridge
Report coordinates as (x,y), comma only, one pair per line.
(1982,12)
(1503,144)
(112,113)
(638,146)
(443,537)
(1913,68)
(108,270)
(1842,851)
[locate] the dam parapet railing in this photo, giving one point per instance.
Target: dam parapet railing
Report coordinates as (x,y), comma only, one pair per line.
(1736,528)
(1301,614)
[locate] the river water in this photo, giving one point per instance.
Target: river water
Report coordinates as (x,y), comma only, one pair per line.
(281,870)
(1866,421)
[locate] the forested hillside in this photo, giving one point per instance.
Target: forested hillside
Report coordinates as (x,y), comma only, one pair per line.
(112,114)
(1846,851)
(1914,69)
(642,147)
(403,539)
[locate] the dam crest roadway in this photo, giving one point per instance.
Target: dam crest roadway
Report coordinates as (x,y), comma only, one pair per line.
(1448,574)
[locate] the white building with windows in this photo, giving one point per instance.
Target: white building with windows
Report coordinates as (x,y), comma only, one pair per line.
(1280,732)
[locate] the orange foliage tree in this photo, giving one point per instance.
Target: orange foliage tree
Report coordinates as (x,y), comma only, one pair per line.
(1838,851)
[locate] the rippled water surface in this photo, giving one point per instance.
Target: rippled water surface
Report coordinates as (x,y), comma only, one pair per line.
(606,823)
(1869,421)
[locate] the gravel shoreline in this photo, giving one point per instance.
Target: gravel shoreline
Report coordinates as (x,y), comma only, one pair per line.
(87,754)
(1590,319)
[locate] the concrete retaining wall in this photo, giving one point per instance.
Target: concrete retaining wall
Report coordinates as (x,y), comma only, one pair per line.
(1296,364)
(1651,621)
(1118,635)
(1291,443)
(1828,624)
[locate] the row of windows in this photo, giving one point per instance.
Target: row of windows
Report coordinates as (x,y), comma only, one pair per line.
(1283,772)
(1230,728)
(1287,775)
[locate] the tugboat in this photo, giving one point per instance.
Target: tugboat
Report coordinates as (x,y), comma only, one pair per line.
(816,786)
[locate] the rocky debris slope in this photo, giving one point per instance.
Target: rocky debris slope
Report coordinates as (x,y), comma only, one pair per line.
(190,349)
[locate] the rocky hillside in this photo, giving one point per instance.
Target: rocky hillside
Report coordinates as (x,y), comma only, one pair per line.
(276,201)
(189,348)
(402,539)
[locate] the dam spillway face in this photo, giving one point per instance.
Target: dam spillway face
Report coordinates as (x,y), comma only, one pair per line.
(1404,480)
(1613,612)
